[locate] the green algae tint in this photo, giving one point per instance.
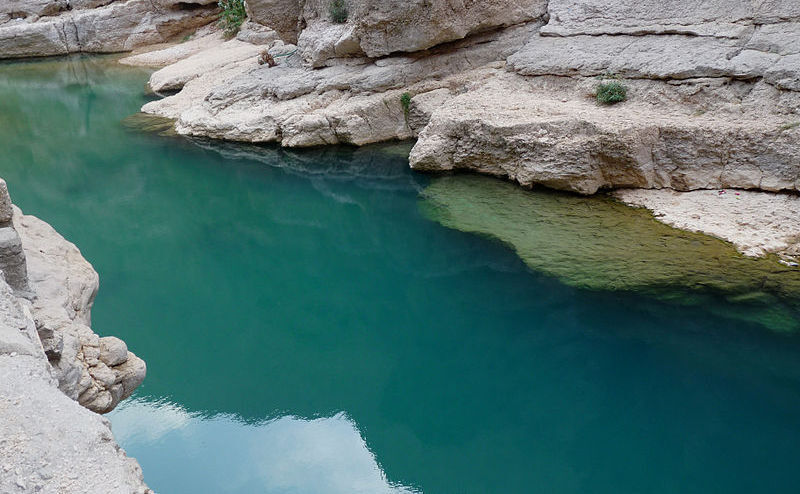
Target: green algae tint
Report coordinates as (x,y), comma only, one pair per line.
(601,244)
(308,331)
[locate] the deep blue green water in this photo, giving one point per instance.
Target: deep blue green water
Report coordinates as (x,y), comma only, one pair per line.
(308,330)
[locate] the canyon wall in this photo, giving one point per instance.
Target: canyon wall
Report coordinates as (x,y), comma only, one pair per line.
(500,87)
(507,88)
(56,371)
(58,27)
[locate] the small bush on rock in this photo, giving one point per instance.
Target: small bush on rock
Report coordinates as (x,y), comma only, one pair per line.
(338,11)
(232,17)
(609,93)
(405,100)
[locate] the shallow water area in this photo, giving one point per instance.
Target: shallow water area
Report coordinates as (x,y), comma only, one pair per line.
(308,328)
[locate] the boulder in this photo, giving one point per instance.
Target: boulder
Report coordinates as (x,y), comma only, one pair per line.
(282,16)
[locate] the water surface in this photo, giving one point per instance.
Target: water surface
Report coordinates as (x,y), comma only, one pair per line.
(308,329)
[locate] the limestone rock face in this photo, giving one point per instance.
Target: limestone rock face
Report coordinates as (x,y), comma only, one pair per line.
(52,444)
(298,106)
(669,39)
(384,27)
(12,258)
(376,28)
(89,369)
(283,16)
(714,89)
(118,26)
(515,128)
(23,9)
(718,18)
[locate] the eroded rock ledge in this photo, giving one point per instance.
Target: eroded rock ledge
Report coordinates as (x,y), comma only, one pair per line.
(52,363)
(508,89)
(58,27)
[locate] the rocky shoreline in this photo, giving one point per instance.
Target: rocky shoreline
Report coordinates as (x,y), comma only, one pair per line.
(56,371)
(503,88)
(713,93)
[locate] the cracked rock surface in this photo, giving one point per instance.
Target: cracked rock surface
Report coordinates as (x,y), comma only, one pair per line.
(56,373)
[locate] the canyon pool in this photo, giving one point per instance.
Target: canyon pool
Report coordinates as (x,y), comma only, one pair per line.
(310,326)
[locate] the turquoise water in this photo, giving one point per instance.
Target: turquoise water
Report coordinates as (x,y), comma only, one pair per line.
(308,330)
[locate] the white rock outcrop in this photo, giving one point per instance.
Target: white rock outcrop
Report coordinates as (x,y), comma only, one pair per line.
(714,90)
(65,285)
(375,28)
(52,363)
(547,131)
(59,28)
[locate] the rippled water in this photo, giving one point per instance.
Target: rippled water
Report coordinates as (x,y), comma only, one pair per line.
(308,328)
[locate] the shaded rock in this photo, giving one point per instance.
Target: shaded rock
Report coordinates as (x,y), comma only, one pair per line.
(282,16)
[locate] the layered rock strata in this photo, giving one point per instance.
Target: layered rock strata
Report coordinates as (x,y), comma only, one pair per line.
(509,90)
(52,363)
(59,27)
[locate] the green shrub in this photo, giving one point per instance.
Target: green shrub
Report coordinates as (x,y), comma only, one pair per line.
(232,17)
(338,11)
(405,100)
(609,93)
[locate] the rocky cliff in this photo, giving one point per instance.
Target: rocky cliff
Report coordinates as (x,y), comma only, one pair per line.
(501,87)
(507,88)
(57,27)
(52,363)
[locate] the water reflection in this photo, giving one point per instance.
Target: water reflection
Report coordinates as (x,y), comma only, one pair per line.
(283,455)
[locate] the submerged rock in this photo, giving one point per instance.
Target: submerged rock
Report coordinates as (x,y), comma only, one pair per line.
(600,244)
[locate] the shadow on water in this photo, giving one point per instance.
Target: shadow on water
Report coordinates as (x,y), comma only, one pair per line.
(308,329)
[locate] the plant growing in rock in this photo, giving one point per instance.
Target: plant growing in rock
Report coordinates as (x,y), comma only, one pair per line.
(609,93)
(232,16)
(338,11)
(405,101)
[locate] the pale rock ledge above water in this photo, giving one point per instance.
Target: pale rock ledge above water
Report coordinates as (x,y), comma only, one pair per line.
(713,90)
(509,92)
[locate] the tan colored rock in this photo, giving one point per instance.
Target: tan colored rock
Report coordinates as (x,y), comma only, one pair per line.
(375,28)
(299,106)
(206,37)
(24,9)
